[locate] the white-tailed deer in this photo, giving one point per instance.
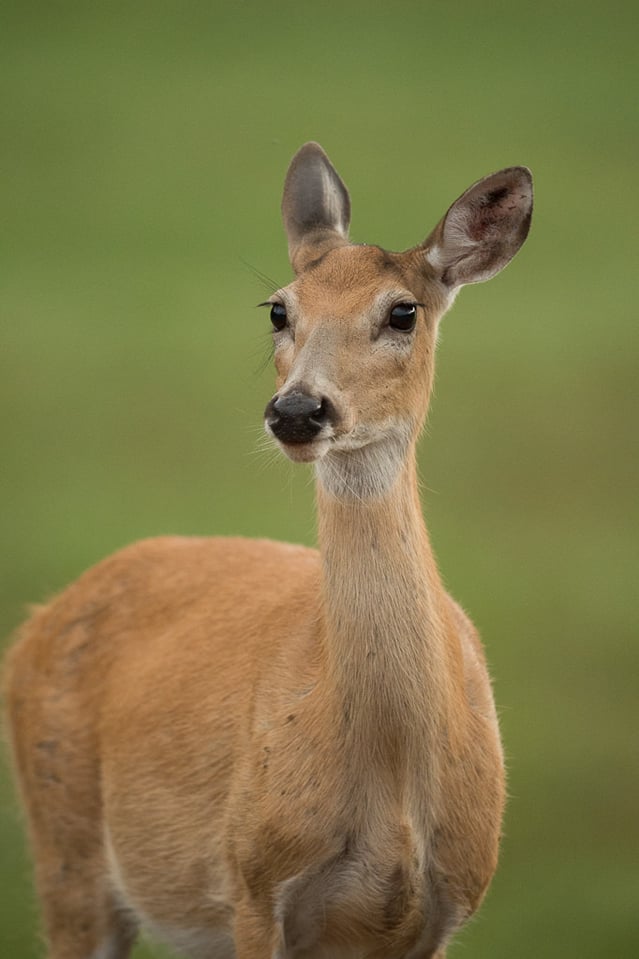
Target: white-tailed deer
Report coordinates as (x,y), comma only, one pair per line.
(261,750)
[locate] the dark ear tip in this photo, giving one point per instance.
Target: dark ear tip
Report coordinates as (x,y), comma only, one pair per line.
(309,149)
(523,170)
(522,174)
(309,157)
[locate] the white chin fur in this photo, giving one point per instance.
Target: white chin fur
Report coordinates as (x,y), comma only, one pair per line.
(305,452)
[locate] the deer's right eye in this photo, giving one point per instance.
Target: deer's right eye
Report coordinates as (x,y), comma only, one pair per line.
(278,316)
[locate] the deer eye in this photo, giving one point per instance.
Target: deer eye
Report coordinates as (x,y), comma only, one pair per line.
(278,316)
(402,317)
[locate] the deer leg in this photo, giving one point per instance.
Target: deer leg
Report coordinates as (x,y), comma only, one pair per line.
(82,920)
(82,916)
(255,935)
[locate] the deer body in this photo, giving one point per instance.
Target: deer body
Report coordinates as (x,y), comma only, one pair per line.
(257,749)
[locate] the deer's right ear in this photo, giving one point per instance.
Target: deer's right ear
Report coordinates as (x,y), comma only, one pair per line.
(316,208)
(483,229)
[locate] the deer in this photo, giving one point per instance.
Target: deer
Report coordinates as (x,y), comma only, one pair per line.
(252,749)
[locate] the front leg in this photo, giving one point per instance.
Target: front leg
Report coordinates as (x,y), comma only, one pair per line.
(256,933)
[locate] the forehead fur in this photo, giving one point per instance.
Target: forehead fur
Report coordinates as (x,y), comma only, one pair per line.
(351,276)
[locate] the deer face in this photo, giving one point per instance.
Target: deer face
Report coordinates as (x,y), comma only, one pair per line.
(354,343)
(355,332)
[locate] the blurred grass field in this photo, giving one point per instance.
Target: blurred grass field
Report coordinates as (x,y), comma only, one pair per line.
(144,147)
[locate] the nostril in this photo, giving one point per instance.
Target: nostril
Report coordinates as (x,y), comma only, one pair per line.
(271,411)
(321,413)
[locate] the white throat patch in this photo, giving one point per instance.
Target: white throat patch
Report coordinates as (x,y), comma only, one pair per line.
(368,471)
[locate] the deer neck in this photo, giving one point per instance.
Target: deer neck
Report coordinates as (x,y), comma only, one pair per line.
(383,613)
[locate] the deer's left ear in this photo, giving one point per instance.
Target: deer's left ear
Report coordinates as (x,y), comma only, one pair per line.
(483,229)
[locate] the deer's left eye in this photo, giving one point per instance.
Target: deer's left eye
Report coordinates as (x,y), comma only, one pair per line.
(402,317)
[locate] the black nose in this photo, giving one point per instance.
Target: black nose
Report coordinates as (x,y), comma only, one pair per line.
(297,417)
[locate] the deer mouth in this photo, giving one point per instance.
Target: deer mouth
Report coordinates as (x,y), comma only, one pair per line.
(304,452)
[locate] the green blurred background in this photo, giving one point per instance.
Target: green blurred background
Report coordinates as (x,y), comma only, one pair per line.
(144,147)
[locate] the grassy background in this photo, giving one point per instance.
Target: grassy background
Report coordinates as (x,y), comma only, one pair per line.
(144,148)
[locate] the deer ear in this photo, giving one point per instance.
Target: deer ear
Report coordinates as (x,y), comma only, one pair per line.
(316,208)
(483,229)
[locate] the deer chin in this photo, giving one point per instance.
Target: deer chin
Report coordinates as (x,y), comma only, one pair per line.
(309,452)
(336,445)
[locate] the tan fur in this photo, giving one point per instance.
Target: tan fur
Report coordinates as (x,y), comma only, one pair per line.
(260,749)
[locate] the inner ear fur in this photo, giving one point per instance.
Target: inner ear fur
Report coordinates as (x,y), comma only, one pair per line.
(316,207)
(483,229)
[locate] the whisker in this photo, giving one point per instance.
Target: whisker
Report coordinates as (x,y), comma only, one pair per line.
(266,281)
(264,448)
(268,351)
